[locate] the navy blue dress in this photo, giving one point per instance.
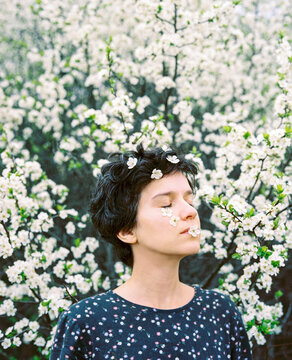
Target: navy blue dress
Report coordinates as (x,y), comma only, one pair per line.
(106,326)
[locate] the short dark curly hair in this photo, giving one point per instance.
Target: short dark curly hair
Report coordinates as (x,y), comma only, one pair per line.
(114,202)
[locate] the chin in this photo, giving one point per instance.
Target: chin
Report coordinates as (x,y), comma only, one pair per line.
(191,250)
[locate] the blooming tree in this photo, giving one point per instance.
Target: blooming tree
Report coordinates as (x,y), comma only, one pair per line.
(81,80)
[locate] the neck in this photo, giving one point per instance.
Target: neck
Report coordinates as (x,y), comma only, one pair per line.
(155,282)
(156,277)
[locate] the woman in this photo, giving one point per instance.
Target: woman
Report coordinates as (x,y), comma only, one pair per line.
(143,206)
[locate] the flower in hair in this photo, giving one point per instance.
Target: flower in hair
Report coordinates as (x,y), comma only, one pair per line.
(131,162)
(156,174)
(174,220)
(173,159)
(194,231)
(166,212)
(165,148)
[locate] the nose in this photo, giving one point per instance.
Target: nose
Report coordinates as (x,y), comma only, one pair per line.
(188,211)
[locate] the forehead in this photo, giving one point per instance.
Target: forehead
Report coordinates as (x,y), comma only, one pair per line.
(176,183)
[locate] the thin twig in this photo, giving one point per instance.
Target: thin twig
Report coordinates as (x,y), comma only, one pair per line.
(257,178)
(207,282)
(286,208)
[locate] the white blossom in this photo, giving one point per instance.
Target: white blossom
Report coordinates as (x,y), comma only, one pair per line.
(6,343)
(173,159)
(194,231)
(7,308)
(16,341)
(174,220)
(131,162)
(70,228)
(156,174)
(166,212)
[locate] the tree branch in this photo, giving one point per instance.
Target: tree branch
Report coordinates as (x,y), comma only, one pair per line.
(257,178)
(286,208)
(208,281)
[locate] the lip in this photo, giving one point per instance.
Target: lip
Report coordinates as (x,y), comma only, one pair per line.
(185,231)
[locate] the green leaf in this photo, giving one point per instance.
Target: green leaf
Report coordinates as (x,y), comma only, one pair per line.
(24,277)
(61,207)
(278,294)
(227,129)
(288,129)
(67,267)
(86,142)
(267,254)
(23,214)
(246,135)
(249,213)
(46,303)
(284,254)
(225,223)
(11,334)
(215,200)
(281,197)
(265,327)
(276,264)
(74,165)
(225,202)
(266,138)
(263,251)
(77,242)
(236,256)
(221,281)
(276,222)
(231,208)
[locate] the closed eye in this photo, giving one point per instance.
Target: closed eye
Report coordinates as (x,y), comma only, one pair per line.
(166,206)
(169,205)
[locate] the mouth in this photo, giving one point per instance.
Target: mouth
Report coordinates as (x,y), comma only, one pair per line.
(185,231)
(194,231)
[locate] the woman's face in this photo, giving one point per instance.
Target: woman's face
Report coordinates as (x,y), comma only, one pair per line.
(167,234)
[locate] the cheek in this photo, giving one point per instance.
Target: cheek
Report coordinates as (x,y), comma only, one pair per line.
(153,221)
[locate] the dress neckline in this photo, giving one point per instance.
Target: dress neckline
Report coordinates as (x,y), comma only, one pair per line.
(178,309)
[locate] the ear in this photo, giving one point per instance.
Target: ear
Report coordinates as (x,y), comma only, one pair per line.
(127,236)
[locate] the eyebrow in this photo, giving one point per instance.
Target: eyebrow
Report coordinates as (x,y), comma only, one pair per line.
(188,192)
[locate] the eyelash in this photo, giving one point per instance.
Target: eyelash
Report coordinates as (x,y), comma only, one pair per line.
(167,206)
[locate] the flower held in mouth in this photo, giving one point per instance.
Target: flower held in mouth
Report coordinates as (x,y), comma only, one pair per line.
(194,231)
